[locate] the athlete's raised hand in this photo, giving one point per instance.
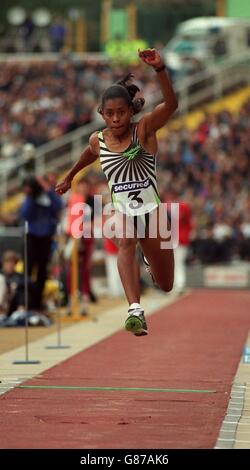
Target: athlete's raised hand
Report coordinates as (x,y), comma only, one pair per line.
(151,57)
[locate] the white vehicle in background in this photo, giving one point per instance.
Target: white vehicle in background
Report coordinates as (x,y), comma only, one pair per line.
(198,42)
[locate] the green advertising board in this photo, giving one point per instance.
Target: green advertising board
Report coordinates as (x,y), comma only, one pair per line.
(118,23)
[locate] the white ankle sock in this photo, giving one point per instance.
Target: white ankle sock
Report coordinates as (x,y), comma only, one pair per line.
(134,305)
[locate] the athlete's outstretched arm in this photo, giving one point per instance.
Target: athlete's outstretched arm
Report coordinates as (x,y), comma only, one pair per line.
(88,156)
(160,115)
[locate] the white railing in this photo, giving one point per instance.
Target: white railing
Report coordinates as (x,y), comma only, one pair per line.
(58,155)
(211,84)
(51,56)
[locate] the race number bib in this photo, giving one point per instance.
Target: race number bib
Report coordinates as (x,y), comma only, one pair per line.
(134,197)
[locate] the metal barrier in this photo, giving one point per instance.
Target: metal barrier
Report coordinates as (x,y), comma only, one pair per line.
(22,232)
(26,302)
(59,344)
(51,56)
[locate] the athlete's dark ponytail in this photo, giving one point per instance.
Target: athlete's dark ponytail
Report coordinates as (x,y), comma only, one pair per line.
(122,89)
(132,89)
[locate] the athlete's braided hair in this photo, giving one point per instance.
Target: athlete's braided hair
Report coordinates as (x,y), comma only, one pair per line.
(122,89)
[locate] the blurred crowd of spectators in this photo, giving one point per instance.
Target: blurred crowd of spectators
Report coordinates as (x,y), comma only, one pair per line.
(210,168)
(44,100)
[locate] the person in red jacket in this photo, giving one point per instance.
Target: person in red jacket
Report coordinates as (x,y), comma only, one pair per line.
(82,194)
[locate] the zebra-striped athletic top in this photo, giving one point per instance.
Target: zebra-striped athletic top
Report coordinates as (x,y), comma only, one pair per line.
(131,177)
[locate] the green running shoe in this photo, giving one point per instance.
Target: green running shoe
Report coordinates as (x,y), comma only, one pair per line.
(136,322)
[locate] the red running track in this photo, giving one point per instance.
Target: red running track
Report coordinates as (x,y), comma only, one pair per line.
(195,343)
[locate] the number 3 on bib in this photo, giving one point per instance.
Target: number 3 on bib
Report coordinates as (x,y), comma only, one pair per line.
(136,201)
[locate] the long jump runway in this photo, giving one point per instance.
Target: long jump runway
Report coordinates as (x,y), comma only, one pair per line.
(168,390)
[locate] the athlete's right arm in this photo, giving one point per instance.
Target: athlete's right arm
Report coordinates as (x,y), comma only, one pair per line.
(88,156)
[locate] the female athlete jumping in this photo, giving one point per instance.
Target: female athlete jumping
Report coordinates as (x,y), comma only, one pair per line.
(127,152)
